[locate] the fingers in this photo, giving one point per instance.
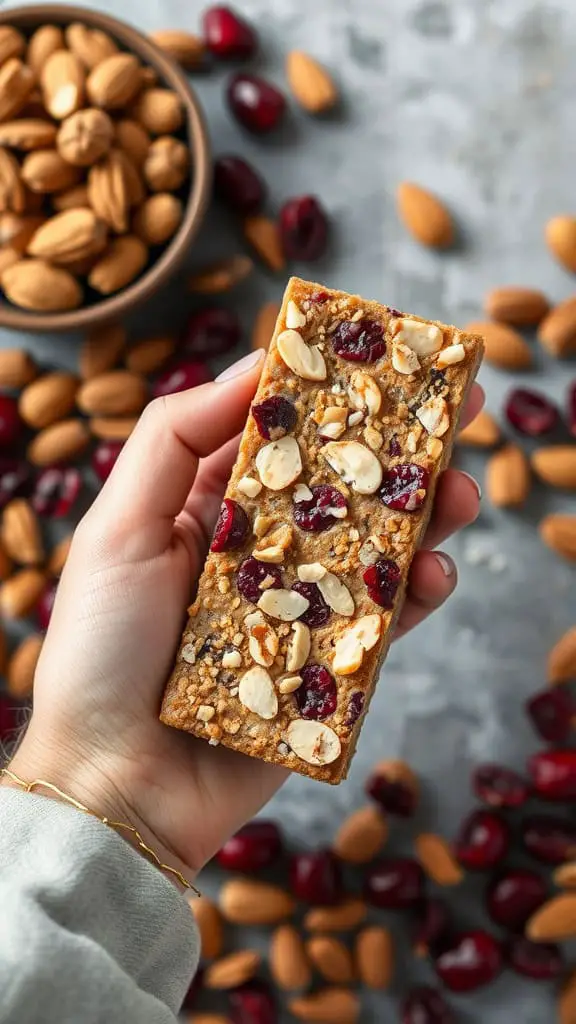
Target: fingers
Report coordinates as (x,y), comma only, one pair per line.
(457,505)
(196,521)
(433,578)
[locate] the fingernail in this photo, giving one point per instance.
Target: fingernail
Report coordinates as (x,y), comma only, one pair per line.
(473,481)
(446,564)
(242,366)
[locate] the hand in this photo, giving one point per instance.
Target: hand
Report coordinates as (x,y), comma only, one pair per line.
(117,621)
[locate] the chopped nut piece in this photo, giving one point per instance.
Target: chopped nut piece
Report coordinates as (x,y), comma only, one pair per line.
(231,659)
(368,553)
(356,464)
(333,422)
(404,359)
(249,486)
(433,416)
(336,594)
(451,355)
(263,642)
(188,654)
(289,684)
(364,393)
(295,318)
(311,573)
(205,713)
(256,692)
(355,418)
(434,447)
(373,438)
(302,493)
(304,360)
(262,526)
(298,647)
(285,605)
(279,463)
(313,742)
(362,636)
(274,555)
(423,339)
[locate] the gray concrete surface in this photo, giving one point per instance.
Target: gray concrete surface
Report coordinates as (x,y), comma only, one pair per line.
(473,98)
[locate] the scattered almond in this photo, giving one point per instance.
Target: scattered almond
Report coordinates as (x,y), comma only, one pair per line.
(361,836)
(59,443)
(158,218)
(508,477)
(557,332)
(159,111)
(482,432)
(48,399)
(425,216)
(20,533)
(344,917)
(562,659)
(17,368)
(556,466)
(113,428)
(20,594)
(520,307)
(247,902)
(101,350)
(45,41)
(221,276)
(375,957)
(328,1006)
(59,556)
(117,393)
(186,49)
(123,261)
(149,355)
(438,859)
(22,667)
(40,287)
(263,235)
(210,926)
(232,970)
(310,83)
(555,921)
(503,346)
(289,964)
(559,533)
(331,958)
(561,240)
(264,325)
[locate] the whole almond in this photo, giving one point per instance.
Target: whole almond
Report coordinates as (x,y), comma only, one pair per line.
(59,556)
(310,83)
(520,307)
(17,368)
(114,82)
(559,533)
(186,49)
(20,533)
(28,134)
(438,859)
(69,237)
(123,261)
(565,876)
(263,235)
(567,1001)
(59,443)
(12,192)
(112,428)
(8,258)
(158,218)
(265,325)
(63,82)
(22,667)
(557,332)
(361,836)
(40,287)
(220,276)
(555,921)
(109,190)
(90,45)
(43,43)
(503,346)
(166,165)
(289,964)
(48,399)
(561,240)
(508,477)
(562,658)
(16,83)
(16,230)
(344,917)
(331,958)
(101,350)
(117,393)
(133,139)
(232,970)
(159,111)
(85,137)
(46,171)
(147,356)
(482,432)
(71,199)
(328,1006)
(20,594)
(375,957)
(247,902)
(425,216)
(12,43)
(556,466)
(210,926)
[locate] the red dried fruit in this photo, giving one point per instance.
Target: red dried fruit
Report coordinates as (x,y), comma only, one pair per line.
(318,613)
(471,960)
(252,573)
(55,491)
(239,185)
(105,457)
(275,417)
(539,961)
(426,1005)
(45,605)
(253,1003)
(317,696)
(316,878)
(361,341)
(572,409)
(355,708)
(15,479)
(211,332)
(255,846)
(553,773)
(551,712)
(395,883)
(314,514)
(227,35)
(483,840)
(256,104)
(500,787)
(404,487)
(530,413)
(181,376)
(319,297)
(432,925)
(549,839)
(232,527)
(394,793)
(303,228)
(513,896)
(11,426)
(382,581)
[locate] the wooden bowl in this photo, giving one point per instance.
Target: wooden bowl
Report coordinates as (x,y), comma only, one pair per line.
(27,19)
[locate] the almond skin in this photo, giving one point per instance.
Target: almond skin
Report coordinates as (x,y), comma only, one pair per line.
(311,85)
(555,921)
(17,368)
(482,432)
(375,957)
(210,926)
(43,43)
(45,171)
(149,355)
(331,958)
(557,332)
(344,917)
(232,970)
(264,325)
(186,49)
(263,235)
(132,138)
(40,287)
(114,82)
(246,902)
(20,533)
(520,307)
(20,594)
(503,346)
(69,237)
(101,350)
(556,466)
(438,859)
(16,83)
(221,276)
(59,443)
(118,393)
(561,240)
(158,218)
(361,836)
(48,399)
(12,192)
(562,658)
(121,264)
(22,667)
(90,45)
(27,134)
(159,111)
(559,533)
(12,43)
(71,199)
(328,1006)
(63,82)
(508,477)
(425,216)
(289,963)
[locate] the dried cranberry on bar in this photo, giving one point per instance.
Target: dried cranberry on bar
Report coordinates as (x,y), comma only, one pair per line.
(354,420)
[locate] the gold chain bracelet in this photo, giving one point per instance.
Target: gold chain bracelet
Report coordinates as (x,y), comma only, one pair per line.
(118,826)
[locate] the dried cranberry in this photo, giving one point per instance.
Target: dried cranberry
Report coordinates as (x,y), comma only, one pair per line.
(11,426)
(395,448)
(256,104)
(553,773)
(105,457)
(227,35)
(318,613)
(252,573)
(191,997)
(316,877)
(253,1003)
(8,717)
(55,491)
(395,883)
(432,924)
(395,792)
(232,527)
(499,787)
(315,514)
(426,1005)
(355,708)
(45,605)
(319,297)
(255,846)
(530,413)
(539,961)
(211,332)
(513,896)
(483,840)
(471,960)
(382,580)
(551,712)
(572,409)
(239,185)
(549,839)
(404,487)
(15,479)
(317,695)
(275,417)
(303,228)
(181,376)
(360,341)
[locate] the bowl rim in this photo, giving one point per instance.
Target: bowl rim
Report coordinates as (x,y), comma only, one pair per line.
(116,306)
